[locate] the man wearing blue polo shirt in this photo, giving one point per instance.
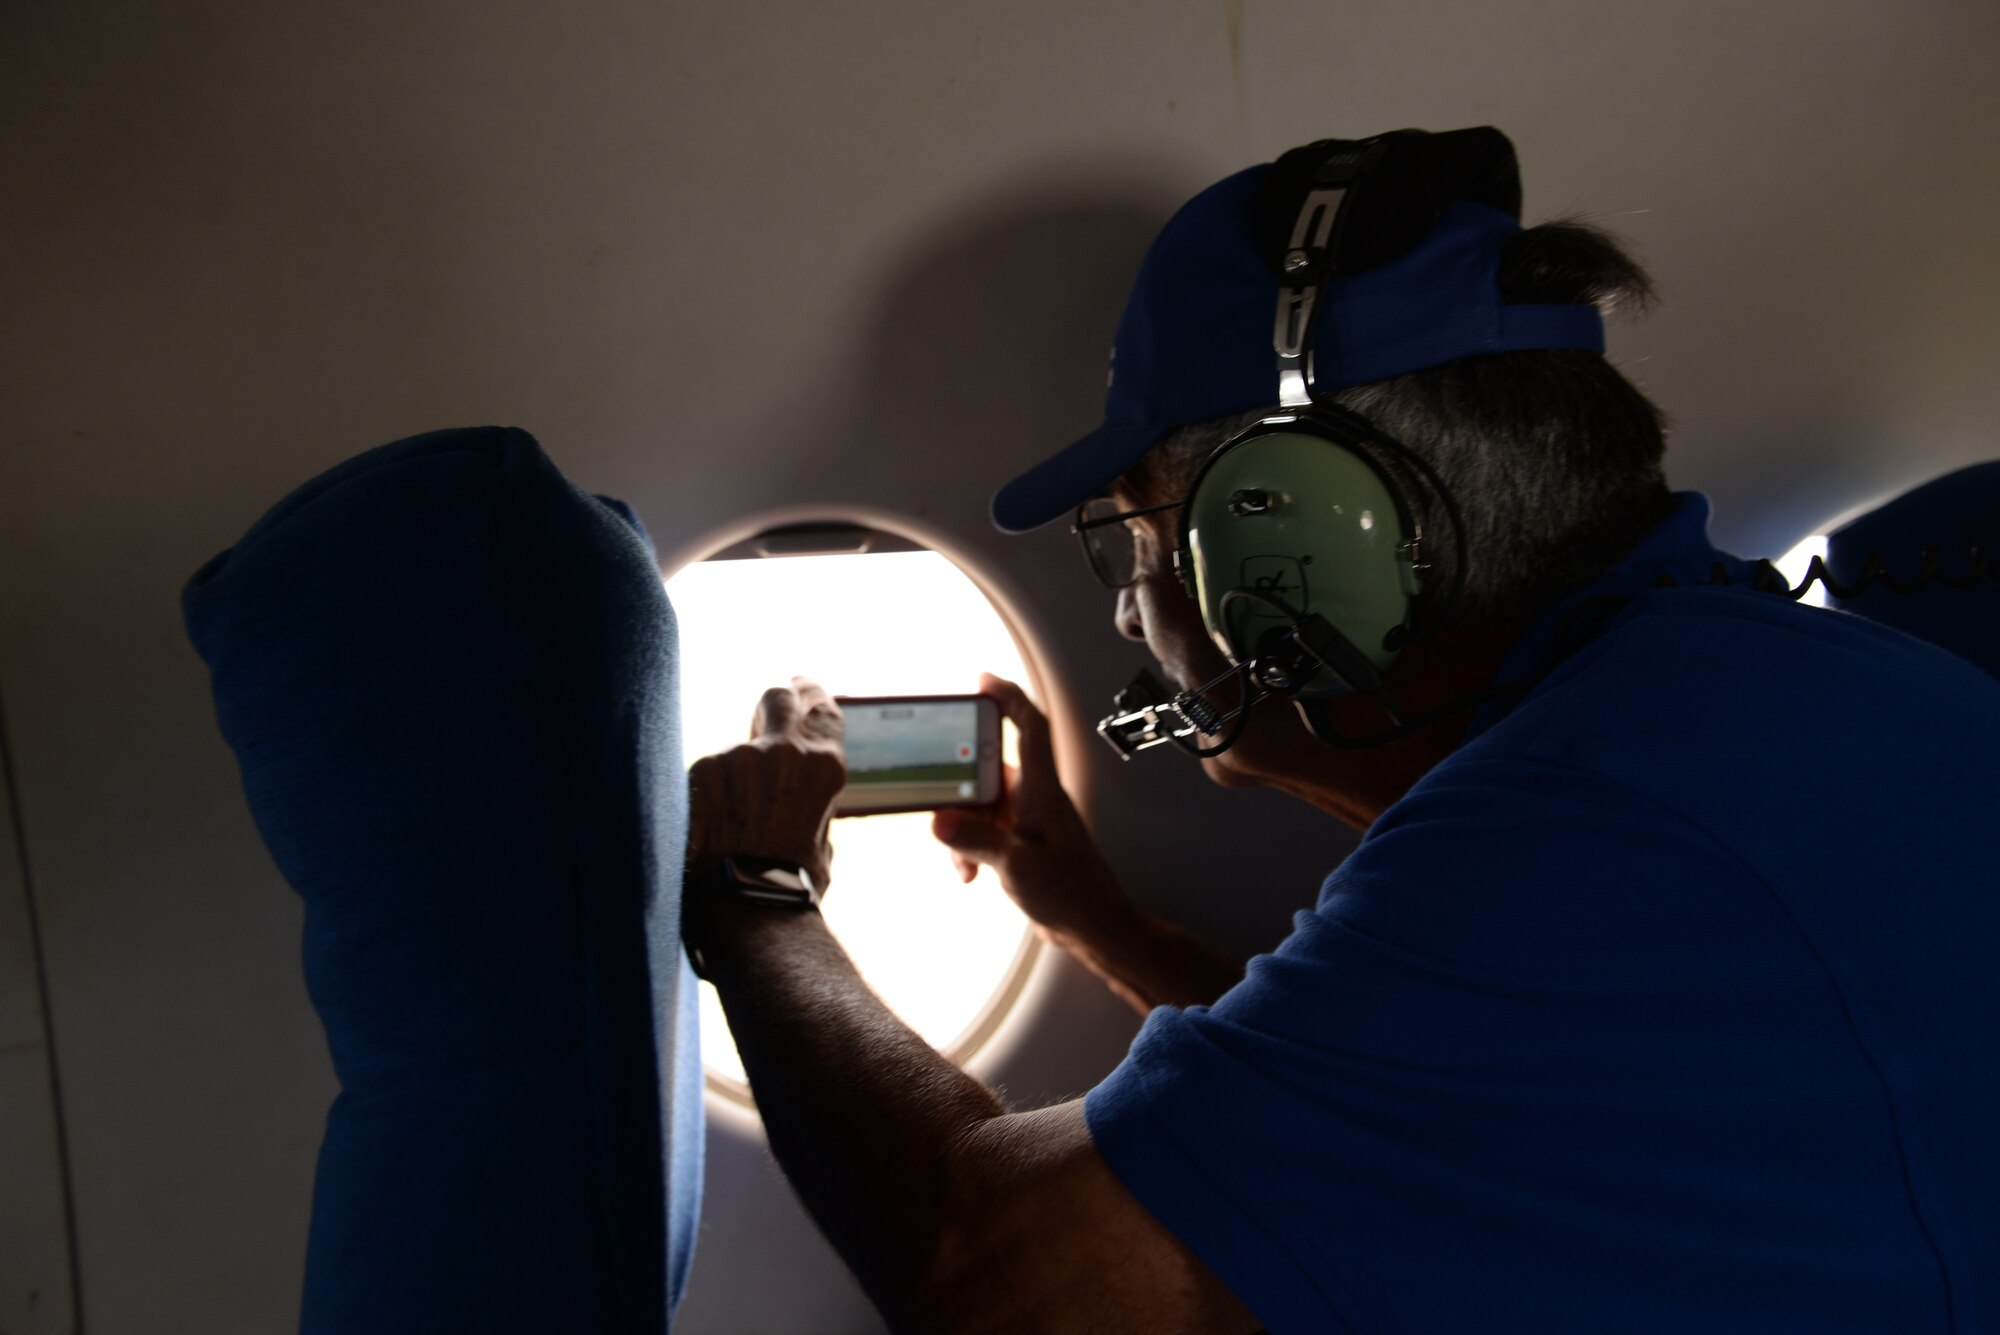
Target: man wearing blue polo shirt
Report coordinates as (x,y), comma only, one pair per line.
(1659,993)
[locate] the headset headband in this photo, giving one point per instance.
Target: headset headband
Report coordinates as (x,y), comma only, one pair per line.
(1341,225)
(1310,260)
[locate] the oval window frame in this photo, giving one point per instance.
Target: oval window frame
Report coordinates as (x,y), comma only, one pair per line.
(984,1041)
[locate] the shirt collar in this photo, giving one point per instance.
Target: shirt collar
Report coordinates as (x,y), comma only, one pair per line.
(1677,551)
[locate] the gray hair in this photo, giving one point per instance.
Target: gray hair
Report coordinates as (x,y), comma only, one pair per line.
(1553,457)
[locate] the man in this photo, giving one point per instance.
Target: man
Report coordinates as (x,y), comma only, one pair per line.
(1656,997)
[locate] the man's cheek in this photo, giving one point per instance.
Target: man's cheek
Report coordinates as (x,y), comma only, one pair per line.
(1224,774)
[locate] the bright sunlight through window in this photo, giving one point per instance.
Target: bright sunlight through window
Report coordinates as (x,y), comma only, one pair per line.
(1794,564)
(945,956)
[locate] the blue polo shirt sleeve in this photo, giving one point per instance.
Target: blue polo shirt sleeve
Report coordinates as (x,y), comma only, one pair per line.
(1432,1106)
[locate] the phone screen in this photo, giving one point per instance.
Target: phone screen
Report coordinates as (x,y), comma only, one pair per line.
(913,753)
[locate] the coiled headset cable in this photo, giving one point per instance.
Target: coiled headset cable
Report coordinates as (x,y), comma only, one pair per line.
(1768,579)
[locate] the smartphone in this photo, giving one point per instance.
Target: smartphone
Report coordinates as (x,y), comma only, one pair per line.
(919,752)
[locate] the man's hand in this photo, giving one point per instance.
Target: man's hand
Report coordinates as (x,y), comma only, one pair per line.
(1050,866)
(1034,838)
(773,795)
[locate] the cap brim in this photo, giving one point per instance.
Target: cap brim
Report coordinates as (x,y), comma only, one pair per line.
(1057,485)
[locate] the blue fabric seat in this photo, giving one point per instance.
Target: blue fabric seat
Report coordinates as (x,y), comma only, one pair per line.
(1952,513)
(450,679)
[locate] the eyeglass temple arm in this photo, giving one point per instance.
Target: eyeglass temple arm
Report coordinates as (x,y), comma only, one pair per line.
(1081,524)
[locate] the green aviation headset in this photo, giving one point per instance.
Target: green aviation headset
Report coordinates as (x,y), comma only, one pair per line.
(1304,539)
(1301,546)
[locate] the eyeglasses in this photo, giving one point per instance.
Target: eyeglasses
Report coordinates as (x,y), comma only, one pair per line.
(1109,544)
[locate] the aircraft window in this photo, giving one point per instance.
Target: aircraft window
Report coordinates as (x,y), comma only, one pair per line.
(1793,564)
(863,613)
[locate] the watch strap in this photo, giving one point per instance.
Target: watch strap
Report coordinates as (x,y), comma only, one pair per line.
(776,883)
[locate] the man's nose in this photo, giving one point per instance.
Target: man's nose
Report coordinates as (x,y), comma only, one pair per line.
(1126,614)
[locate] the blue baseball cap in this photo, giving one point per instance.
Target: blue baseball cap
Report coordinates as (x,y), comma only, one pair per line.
(1195,339)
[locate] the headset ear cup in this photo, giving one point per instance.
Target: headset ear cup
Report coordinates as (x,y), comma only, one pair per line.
(1290,521)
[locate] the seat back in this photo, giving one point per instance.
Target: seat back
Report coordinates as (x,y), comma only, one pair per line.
(450,680)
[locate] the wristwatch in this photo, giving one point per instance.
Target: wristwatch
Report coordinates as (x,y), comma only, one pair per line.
(773,882)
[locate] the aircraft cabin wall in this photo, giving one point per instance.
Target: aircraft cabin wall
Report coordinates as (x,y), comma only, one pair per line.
(747,263)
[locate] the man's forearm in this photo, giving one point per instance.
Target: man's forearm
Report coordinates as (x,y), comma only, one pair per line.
(862,1114)
(1150,962)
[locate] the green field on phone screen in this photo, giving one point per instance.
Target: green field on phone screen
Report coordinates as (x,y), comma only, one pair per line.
(915,774)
